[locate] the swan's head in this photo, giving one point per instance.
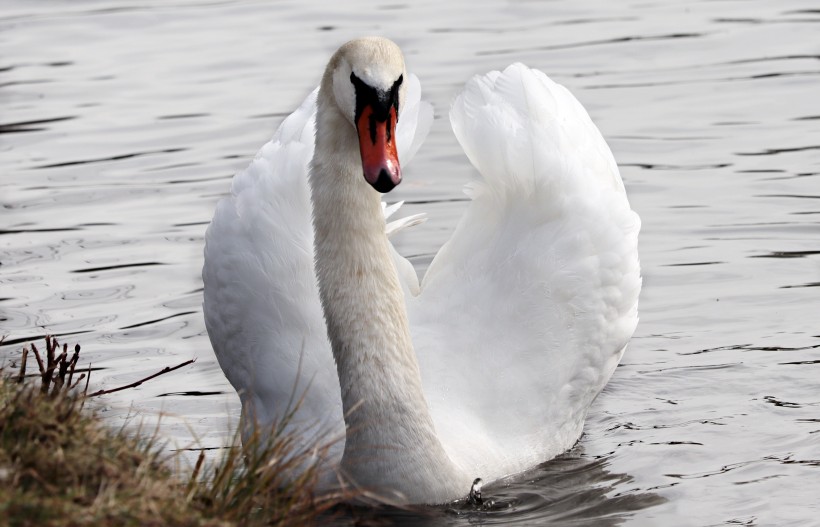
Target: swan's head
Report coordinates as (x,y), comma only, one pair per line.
(368,87)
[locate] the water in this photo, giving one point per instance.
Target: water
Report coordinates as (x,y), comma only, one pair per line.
(121,124)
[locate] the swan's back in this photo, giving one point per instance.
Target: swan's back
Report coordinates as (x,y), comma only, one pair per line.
(526,311)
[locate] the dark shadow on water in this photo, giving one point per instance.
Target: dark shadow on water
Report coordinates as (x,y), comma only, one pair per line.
(31,125)
(191,393)
(571,490)
(33,338)
(785,254)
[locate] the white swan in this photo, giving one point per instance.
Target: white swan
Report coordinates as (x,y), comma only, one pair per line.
(486,368)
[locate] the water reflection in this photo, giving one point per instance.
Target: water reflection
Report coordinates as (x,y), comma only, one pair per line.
(572,489)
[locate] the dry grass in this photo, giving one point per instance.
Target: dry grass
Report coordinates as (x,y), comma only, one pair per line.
(59,465)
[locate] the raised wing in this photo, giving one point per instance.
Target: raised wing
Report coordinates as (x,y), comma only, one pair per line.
(525,312)
(261,301)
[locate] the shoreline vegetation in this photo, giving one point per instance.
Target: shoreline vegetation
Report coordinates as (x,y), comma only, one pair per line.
(60,464)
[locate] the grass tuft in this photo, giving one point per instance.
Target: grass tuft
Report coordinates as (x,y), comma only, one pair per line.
(60,465)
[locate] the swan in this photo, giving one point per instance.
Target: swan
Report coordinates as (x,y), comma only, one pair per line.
(487,366)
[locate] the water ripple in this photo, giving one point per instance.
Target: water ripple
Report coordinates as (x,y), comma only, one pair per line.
(111,158)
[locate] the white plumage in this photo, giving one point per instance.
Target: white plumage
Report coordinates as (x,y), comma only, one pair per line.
(517,325)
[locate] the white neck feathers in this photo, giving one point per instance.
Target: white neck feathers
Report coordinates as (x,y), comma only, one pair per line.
(390,441)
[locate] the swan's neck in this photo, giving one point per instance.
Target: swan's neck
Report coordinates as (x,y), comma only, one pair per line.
(390,439)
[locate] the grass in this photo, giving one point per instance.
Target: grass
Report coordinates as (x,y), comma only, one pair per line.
(60,465)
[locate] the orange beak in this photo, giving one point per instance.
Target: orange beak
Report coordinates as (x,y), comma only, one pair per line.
(377,143)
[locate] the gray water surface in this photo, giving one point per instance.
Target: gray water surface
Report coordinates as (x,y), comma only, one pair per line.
(121,124)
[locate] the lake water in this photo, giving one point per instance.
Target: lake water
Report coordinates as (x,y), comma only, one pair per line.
(121,124)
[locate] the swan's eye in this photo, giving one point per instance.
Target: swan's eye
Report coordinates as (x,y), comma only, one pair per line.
(394,92)
(395,87)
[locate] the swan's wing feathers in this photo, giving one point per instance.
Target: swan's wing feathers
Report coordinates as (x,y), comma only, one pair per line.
(261,302)
(525,311)
(517,126)
(415,120)
(414,124)
(405,223)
